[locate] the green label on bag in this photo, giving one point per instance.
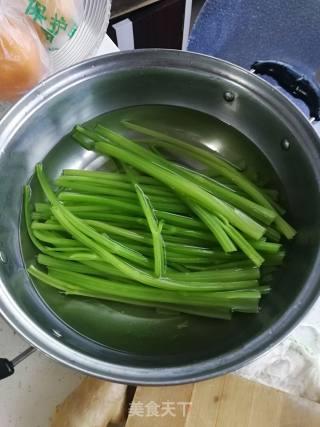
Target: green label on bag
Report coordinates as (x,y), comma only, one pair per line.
(72,31)
(36,10)
(50,25)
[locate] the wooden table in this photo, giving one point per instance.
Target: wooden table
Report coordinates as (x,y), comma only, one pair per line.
(228,401)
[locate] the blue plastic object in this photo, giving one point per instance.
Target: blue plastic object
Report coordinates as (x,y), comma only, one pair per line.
(246,31)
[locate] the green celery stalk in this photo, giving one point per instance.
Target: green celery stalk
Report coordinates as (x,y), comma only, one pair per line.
(225,275)
(213,312)
(225,169)
(95,189)
(186,188)
(265,246)
(154,226)
(213,223)
(76,227)
(107,176)
(243,244)
(35,225)
(205,299)
(27,217)
(253,209)
(55,239)
(49,261)
(180,220)
(274,259)
(111,186)
(66,249)
(97,200)
(114,203)
(273,235)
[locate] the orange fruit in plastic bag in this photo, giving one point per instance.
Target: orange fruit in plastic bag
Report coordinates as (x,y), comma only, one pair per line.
(23,59)
(40,33)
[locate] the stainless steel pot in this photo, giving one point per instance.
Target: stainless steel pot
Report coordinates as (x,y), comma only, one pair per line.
(221,105)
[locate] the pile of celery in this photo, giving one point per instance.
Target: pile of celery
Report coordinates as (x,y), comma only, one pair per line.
(156,233)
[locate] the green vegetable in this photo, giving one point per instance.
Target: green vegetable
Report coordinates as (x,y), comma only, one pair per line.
(214,225)
(222,167)
(185,188)
(155,227)
(156,233)
(81,284)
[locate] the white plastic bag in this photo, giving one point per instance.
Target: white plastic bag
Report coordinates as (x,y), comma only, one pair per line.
(24,61)
(58,19)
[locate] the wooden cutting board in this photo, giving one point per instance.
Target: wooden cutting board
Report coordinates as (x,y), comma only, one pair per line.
(228,401)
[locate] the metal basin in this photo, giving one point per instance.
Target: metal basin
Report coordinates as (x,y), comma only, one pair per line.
(184,93)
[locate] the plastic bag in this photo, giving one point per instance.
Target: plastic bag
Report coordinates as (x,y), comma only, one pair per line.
(24,61)
(58,19)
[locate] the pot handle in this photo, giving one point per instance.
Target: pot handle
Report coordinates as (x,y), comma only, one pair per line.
(7,366)
(295,83)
